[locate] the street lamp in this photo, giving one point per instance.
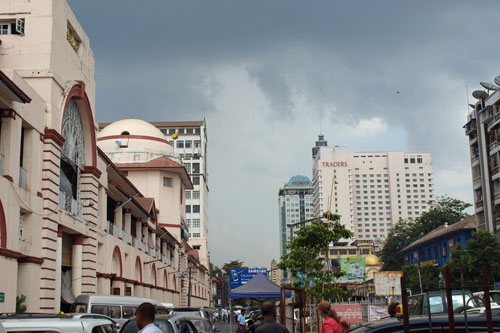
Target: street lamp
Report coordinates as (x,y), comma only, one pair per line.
(190,266)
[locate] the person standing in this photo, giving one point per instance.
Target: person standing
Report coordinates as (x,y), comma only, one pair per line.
(145,317)
(331,322)
(268,311)
(241,321)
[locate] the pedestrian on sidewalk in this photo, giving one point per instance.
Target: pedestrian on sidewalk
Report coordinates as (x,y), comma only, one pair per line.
(268,311)
(332,321)
(241,321)
(145,317)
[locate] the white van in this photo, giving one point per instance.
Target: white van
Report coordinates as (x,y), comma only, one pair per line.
(119,308)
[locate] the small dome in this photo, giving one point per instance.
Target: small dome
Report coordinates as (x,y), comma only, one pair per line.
(372,260)
(131,127)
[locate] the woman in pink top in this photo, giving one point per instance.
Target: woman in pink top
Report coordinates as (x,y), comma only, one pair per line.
(332,321)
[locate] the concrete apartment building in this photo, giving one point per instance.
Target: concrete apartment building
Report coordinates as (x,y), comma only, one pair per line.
(67,213)
(483,130)
(372,191)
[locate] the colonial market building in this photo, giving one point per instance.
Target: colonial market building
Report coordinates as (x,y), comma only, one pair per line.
(436,246)
(71,221)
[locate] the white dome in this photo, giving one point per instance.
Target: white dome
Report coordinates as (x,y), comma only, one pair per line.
(131,127)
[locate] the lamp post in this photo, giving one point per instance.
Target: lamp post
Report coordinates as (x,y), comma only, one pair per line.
(190,265)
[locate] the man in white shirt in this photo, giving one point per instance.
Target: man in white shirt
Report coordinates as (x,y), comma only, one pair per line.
(145,317)
(241,321)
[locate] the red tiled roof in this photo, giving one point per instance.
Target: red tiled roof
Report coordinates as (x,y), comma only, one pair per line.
(467,223)
(159,162)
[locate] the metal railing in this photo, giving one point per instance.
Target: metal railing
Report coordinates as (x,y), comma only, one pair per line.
(23,177)
(70,204)
(124,236)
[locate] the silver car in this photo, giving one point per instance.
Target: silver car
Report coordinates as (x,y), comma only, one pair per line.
(166,323)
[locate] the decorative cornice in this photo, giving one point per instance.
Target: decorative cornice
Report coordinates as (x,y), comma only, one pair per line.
(8,113)
(92,170)
(52,134)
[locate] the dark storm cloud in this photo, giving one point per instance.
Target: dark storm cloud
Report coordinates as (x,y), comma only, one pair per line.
(335,62)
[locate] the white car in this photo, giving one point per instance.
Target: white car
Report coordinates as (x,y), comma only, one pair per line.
(58,325)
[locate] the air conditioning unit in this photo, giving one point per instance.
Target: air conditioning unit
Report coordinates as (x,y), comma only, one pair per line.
(19,29)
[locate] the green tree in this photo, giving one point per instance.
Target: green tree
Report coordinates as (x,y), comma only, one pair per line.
(20,304)
(429,275)
(482,249)
(399,237)
(232,264)
(444,209)
(303,253)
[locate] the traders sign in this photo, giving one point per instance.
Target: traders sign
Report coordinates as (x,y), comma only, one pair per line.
(240,276)
(334,164)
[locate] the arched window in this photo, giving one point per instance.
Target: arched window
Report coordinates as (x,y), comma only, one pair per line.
(72,160)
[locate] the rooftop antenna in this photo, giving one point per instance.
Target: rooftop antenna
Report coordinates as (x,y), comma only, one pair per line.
(467,94)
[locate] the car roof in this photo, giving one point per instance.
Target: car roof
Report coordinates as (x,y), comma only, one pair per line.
(52,322)
(115,299)
(473,320)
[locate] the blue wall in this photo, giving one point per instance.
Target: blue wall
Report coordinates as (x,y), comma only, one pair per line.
(437,248)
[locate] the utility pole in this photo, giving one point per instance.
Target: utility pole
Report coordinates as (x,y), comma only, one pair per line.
(189,285)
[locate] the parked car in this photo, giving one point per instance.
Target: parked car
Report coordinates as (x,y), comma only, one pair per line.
(437,300)
(59,324)
(119,308)
(167,324)
(440,323)
(202,312)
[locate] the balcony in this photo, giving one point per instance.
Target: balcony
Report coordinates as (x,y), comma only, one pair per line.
(23,177)
(70,204)
(115,230)
(476,182)
(124,236)
(2,159)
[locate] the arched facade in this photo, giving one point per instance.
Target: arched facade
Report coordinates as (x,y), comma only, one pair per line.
(3,228)
(116,262)
(79,96)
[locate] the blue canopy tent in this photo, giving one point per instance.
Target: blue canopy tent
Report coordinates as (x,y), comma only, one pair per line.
(258,287)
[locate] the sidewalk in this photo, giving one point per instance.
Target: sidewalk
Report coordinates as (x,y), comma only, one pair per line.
(224,327)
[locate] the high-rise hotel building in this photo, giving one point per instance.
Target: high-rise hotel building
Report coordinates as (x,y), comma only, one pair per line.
(371,191)
(295,205)
(191,147)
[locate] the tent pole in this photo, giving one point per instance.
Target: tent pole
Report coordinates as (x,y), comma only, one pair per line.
(230,316)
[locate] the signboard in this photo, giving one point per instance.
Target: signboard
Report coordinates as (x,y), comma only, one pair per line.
(388,283)
(334,164)
(354,269)
(429,262)
(240,276)
(451,243)
(376,312)
(350,313)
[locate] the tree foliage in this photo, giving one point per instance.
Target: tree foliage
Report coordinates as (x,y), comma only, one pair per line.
(232,264)
(429,275)
(302,258)
(482,249)
(444,209)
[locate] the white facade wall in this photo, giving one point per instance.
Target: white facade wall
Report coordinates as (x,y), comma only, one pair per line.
(191,148)
(372,191)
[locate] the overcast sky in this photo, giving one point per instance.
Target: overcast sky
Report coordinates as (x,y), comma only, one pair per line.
(268,75)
